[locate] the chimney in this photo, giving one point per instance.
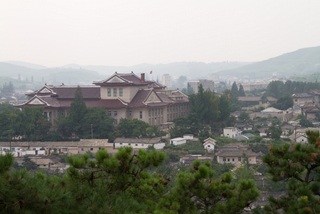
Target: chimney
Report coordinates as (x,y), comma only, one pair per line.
(142,77)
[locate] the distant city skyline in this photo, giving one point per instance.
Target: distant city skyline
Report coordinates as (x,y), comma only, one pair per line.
(126,33)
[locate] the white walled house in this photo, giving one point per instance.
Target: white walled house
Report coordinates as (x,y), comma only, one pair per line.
(231,132)
(178,141)
(209,144)
(141,143)
(188,136)
(302,139)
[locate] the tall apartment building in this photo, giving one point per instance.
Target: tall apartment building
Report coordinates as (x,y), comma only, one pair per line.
(206,84)
(166,80)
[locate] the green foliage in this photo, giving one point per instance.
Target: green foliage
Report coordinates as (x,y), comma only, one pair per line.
(284,102)
(7,88)
(304,122)
(77,112)
(234,89)
(241,91)
(299,165)
(197,190)
(137,129)
(274,132)
(204,104)
(278,89)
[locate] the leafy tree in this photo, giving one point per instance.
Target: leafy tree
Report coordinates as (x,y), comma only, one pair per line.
(204,105)
(137,129)
(64,127)
(299,165)
(6,106)
(102,124)
(274,132)
(243,117)
(31,123)
(304,122)
(284,102)
(29,164)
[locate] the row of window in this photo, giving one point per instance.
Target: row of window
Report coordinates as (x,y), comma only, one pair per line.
(129,144)
(224,159)
(157,111)
(115,113)
(115,92)
(155,121)
(177,107)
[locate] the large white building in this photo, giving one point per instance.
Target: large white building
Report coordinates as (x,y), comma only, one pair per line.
(166,80)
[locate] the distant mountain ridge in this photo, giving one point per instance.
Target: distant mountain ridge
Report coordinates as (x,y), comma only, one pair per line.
(301,62)
(189,69)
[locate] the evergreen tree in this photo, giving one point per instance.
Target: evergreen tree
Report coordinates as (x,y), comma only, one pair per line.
(299,165)
(78,111)
(234,89)
(241,91)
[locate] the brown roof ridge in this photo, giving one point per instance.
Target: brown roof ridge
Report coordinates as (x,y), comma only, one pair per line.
(34,97)
(123,102)
(114,75)
(181,93)
(152,90)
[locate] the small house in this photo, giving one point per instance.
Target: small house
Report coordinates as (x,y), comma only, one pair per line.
(139,143)
(178,141)
(302,139)
(209,144)
(188,136)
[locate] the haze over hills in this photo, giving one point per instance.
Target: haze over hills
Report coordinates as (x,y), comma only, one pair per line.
(301,62)
(189,69)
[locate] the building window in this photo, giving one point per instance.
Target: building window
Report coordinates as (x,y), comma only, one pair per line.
(120,143)
(149,121)
(162,111)
(136,144)
(91,149)
(228,159)
(109,113)
(129,144)
(232,159)
(158,111)
(152,112)
(152,121)
(109,92)
(120,92)
(155,112)
(239,159)
(115,113)
(140,114)
(115,92)
(99,148)
(82,149)
(224,159)
(130,113)
(161,119)
(115,122)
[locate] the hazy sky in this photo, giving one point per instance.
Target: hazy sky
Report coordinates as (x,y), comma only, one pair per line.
(115,32)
